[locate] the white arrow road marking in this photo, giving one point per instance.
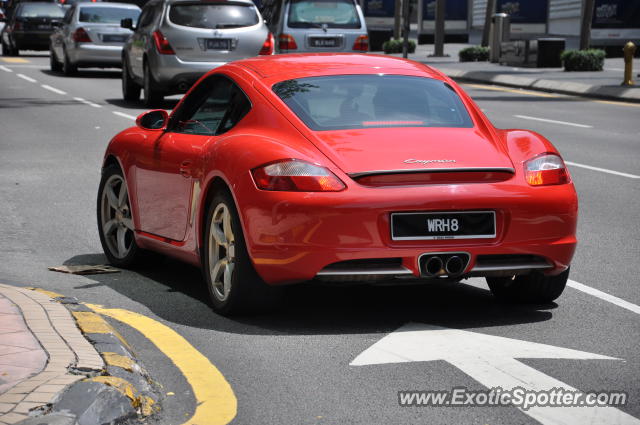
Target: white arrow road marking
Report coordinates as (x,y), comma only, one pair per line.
(490,360)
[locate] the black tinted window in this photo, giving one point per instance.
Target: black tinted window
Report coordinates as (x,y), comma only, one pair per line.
(214,107)
(38,10)
(316,13)
(107,15)
(367,101)
(213,16)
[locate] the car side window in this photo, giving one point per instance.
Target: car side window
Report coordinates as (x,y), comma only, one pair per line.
(215,107)
(67,17)
(146,17)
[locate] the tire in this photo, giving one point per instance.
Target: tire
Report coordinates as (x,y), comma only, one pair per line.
(53,61)
(115,221)
(130,89)
(67,67)
(225,258)
(534,288)
(6,50)
(152,96)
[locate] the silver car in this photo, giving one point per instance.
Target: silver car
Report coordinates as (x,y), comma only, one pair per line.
(91,36)
(175,42)
(317,25)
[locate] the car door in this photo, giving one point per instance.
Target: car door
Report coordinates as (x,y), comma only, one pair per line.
(141,36)
(169,170)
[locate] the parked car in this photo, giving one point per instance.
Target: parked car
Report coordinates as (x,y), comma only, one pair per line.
(91,36)
(175,42)
(68,3)
(316,25)
(29,27)
(282,169)
(3,19)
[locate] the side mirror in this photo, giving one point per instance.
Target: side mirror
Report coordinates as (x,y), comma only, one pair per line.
(154,120)
(127,23)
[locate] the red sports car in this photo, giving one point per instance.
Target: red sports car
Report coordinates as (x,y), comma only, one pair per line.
(347,167)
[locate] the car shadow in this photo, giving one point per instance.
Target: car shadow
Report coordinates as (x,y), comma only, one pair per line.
(167,104)
(88,73)
(176,292)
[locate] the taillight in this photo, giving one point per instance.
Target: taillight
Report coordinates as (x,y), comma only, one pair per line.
(546,169)
(267,47)
(162,44)
(81,36)
(294,175)
(362,43)
(17,26)
(286,42)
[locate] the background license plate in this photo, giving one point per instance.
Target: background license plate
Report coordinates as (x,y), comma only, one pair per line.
(111,38)
(443,225)
(324,42)
(218,44)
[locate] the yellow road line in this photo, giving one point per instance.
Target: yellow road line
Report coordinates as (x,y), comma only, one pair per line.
(14,60)
(215,401)
(48,293)
(540,94)
(518,91)
(613,102)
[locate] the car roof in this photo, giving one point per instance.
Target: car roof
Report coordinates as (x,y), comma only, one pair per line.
(300,65)
(107,4)
(250,2)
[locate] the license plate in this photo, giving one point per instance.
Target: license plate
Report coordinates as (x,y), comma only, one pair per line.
(218,44)
(114,38)
(443,225)
(44,27)
(324,42)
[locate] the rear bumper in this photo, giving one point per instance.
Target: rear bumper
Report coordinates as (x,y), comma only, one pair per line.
(90,54)
(173,75)
(36,40)
(292,237)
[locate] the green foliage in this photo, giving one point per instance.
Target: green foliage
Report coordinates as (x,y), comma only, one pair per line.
(583,60)
(395,46)
(474,54)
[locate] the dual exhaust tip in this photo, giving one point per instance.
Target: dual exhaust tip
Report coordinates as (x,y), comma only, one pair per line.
(450,265)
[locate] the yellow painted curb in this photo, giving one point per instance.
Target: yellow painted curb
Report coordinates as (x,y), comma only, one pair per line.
(92,323)
(115,359)
(48,293)
(216,404)
(144,403)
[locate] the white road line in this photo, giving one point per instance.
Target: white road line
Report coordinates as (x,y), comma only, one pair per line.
(602,170)
(5,69)
(86,102)
(53,89)
(614,69)
(24,77)
(526,117)
(604,296)
(123,115)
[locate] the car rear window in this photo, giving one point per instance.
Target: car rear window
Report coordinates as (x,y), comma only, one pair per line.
(213,16)
(368,101)
(40,10)
(319,13)
(107,15)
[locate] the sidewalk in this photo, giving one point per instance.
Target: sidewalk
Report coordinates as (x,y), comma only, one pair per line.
(604,84)
(50,372)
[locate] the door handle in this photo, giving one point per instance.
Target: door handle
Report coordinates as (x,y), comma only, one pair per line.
(185,169)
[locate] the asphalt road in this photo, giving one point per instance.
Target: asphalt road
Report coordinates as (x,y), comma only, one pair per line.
(293,366)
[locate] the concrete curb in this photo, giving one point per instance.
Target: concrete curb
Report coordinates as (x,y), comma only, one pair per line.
(118,390)
(628,94)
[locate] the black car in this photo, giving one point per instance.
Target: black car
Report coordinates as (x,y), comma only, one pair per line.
(30,26)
